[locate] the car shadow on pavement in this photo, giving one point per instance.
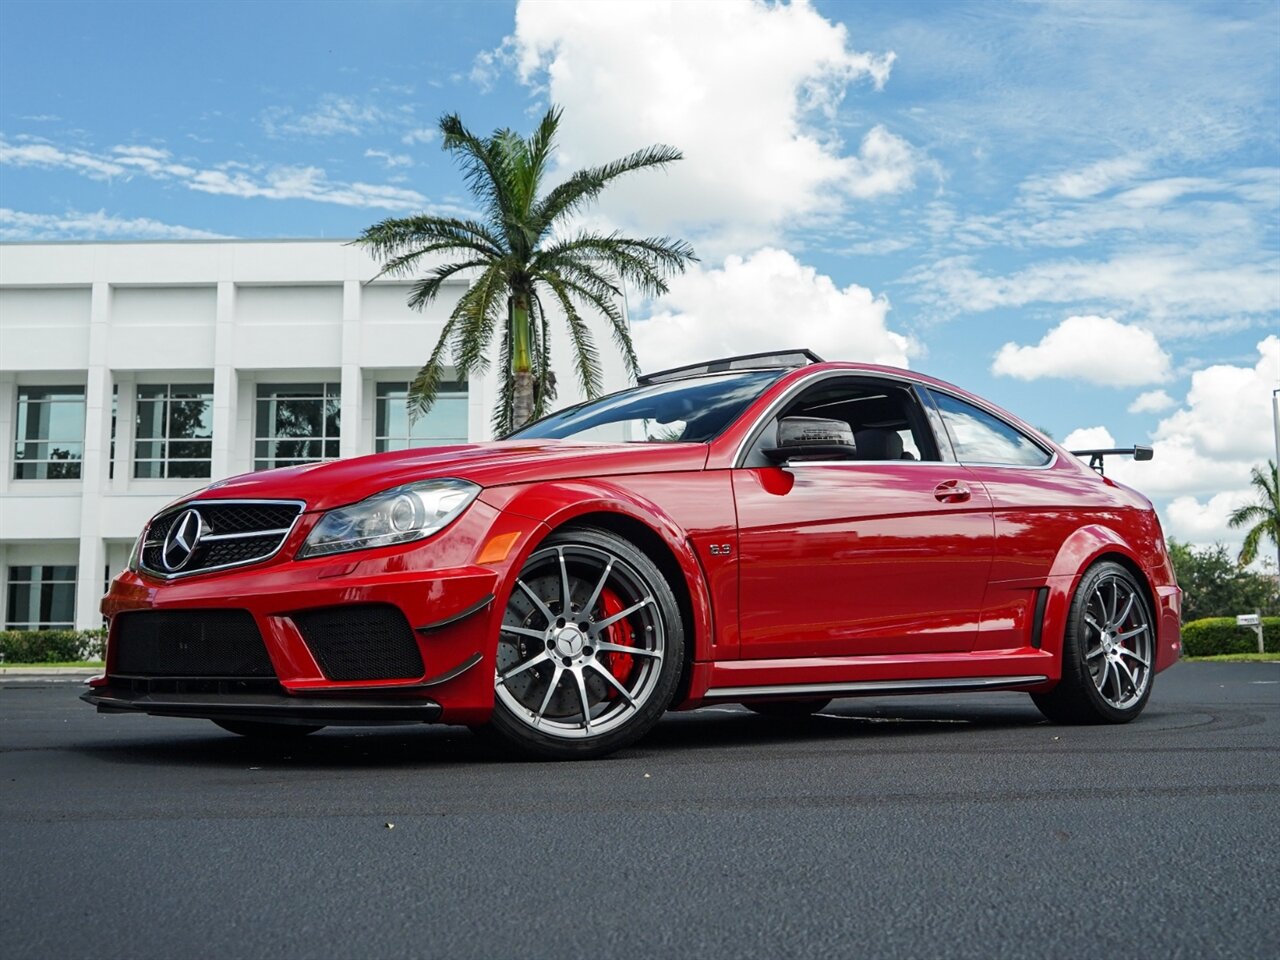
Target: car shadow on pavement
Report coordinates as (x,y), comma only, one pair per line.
(409,746)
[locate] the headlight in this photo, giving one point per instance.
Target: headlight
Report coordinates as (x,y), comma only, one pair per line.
(398,515)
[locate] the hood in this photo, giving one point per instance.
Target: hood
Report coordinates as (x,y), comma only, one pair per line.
(336,483)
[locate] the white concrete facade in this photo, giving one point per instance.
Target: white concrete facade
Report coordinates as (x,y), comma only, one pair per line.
(114,318)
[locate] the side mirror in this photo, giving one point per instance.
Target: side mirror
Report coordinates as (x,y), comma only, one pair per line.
(812,438)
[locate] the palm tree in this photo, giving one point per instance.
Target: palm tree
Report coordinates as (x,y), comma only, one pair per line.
(521,249)
(1263,516)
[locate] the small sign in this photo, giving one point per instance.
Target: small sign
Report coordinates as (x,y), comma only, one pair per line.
(1247,620)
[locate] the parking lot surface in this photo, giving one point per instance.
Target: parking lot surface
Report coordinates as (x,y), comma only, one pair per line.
(958,826)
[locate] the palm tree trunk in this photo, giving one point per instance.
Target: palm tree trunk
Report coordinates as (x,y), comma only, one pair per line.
(521,361)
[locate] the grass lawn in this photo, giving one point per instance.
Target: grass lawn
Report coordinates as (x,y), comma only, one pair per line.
(1235,658)
(86,664)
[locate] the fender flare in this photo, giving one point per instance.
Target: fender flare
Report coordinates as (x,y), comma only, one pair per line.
(554,504)
(1078,552)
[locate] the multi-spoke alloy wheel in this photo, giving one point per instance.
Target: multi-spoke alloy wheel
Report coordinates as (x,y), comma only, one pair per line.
(1108,652)
(589,649)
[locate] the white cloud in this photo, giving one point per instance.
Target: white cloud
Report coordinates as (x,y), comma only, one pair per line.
(390,160)
(1228,409)
(1166,286)
(46,155)
(419,135)
(72,225)
(1153,401)
(1205,450)
(1204,524)
(1090,348)
(333,116)
(774,301)
(1089,438)
(745,90)
(230,179)
(1093,179)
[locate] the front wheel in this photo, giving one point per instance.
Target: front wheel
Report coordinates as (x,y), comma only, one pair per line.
(590,648)
(1108,651)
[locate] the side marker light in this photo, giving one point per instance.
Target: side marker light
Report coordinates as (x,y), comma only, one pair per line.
(497,549)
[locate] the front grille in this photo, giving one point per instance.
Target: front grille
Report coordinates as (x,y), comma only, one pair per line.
(223,534)
(188,643)
(364,642)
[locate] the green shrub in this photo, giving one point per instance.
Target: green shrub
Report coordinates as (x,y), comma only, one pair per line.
(1215,635)
(51,646)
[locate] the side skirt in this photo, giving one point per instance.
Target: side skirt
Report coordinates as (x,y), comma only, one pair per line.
(873,688)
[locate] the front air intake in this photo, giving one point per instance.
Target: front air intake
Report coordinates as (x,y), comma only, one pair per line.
(188,643)
(371,641)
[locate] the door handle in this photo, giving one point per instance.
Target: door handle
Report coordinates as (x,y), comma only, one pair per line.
(951,491)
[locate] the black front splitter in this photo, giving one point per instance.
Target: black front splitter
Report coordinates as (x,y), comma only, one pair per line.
(266,707)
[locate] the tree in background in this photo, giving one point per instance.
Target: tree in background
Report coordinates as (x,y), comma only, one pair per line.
(1213,585)
(520,249)
(1261,517)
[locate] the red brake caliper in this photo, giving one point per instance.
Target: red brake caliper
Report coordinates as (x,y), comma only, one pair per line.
(618,664)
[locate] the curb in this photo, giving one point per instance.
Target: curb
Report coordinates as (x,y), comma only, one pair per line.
(36,673)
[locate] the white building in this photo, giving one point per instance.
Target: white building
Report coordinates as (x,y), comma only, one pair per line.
(132,373)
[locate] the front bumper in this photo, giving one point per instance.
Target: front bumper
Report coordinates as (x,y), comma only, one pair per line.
(450,604)
(270,707)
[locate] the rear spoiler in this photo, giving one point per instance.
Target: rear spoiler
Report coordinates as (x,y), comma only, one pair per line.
(1137,451)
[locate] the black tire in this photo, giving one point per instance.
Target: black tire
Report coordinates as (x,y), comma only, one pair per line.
(583,682)
(787,709)
(256,730)
(1108,651)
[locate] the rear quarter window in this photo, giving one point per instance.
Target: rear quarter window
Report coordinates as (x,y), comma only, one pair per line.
(982,437)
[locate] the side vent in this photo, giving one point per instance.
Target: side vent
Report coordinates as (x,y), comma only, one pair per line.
(1037,618)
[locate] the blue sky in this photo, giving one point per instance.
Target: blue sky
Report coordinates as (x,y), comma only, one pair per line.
(1071,208)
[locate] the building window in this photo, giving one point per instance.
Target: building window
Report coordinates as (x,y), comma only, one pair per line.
(446,422)
(41,598)
(295,423)
(50,433)
(174,435)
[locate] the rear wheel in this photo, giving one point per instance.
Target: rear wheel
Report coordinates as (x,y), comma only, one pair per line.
(1108,651)
(590,648)
(267,731)
(787,709)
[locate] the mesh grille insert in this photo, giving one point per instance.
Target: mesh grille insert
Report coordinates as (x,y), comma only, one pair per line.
(364,642)
(189,643)
(230,534)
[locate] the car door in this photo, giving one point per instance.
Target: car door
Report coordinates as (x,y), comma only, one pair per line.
(887,554)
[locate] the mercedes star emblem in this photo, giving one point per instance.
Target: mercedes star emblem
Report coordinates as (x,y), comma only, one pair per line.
(181,541)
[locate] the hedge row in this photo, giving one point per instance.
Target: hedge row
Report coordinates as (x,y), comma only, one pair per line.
(51,646)
(1214,635)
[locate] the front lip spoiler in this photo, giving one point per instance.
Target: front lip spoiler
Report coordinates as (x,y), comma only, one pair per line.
(268,707)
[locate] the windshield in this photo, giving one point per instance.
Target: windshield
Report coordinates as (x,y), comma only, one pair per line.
(690,411)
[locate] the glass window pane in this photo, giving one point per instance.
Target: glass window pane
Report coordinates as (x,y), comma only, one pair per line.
(190,450)
(981,437)
(148,450)
(148,469)
(193,469)
(191,419)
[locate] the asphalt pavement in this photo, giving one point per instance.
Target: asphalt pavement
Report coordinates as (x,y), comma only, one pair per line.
(957,826)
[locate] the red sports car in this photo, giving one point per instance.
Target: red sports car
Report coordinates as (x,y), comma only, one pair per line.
(767,530)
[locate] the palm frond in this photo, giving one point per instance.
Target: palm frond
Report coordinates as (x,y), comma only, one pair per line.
(504,409)
(477,310)
(483,167)
(429,287)
(586,357)
(586,185)
(643,263)
(402,241)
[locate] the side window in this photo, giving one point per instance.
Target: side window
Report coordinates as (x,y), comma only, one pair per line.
(979,437)
(886,418)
